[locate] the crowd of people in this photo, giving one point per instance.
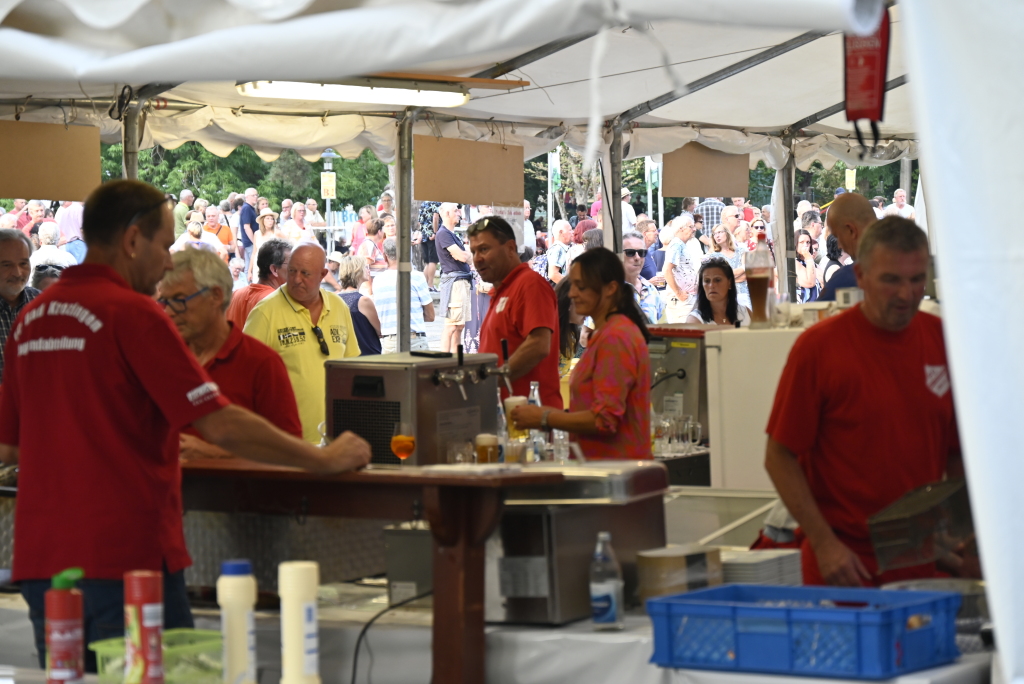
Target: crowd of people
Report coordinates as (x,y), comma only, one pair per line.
(309,301)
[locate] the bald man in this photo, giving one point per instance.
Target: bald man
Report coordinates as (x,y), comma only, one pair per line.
(306,325)
(848,217)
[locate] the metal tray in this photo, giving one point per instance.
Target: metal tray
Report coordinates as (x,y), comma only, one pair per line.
(604,482)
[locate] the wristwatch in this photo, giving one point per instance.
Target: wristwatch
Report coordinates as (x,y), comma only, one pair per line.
(544,419)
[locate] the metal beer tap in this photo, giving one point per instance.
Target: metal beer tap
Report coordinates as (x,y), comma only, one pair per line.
(457,378)
(503,371)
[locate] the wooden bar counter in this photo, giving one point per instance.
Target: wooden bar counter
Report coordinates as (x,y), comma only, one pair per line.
(462,508)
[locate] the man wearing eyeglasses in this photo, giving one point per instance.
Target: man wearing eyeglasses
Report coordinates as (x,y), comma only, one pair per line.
(647,296)
(306,325)
(103,492)
(558,255)
(195,295)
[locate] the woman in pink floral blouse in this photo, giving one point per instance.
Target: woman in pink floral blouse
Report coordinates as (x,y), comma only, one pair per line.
(610,389)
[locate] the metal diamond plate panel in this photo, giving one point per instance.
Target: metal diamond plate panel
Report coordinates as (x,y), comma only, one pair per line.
(6,532)
(345,548)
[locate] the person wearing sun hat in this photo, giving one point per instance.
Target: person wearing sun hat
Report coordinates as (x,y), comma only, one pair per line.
(628,214)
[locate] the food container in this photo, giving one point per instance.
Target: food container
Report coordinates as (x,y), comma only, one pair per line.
(191,656)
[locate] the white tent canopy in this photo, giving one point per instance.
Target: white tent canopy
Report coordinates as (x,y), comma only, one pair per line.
(135,43)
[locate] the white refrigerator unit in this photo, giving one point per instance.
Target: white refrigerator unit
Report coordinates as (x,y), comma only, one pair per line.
(743,369)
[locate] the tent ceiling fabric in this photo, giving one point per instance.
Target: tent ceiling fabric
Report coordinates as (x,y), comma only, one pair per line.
(63,49)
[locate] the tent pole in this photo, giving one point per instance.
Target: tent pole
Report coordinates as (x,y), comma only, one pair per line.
(661,195)
(404,235)
(647,182)
(131,130)
(721,75)
(532,56)
(551,208)
(906,177)
(614,198)
(784,223)
(130,142)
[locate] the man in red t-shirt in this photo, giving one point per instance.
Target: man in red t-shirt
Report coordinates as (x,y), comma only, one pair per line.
(272,272)
(523,310)
(248,372)
(864,412)
(103,492)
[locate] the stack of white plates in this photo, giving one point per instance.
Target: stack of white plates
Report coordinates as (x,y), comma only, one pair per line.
(780,567)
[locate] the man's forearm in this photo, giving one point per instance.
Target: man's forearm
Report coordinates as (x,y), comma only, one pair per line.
(247,435)
(248,230)
(531,352)
(791,483)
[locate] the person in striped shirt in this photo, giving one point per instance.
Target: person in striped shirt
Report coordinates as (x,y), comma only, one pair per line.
(385,298)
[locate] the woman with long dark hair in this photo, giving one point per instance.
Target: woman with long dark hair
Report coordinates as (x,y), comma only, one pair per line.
(806,275)
(717,301)
(610,389)
(569,328)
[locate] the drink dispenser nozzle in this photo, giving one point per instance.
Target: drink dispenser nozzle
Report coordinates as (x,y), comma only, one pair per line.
(458,377)
(502,370)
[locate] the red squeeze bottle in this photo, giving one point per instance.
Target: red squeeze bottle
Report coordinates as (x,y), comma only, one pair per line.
(143,627)
(65,647)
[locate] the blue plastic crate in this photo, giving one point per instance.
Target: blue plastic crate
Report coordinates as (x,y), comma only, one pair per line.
(814,631)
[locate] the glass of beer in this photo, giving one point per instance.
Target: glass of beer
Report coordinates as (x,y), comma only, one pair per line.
(510,404)
(486,448)
(403,441)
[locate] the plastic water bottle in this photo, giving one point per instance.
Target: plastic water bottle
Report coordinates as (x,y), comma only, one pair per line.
(236,596)
(606,585)
(537,437)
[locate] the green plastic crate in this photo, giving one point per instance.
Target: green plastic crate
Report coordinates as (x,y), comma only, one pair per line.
(191,656)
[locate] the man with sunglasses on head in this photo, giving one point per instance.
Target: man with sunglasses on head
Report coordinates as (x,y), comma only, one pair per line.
(103,492)
(306,325)
(523,310)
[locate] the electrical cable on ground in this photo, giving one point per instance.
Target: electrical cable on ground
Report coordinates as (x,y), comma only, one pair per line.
(366,628)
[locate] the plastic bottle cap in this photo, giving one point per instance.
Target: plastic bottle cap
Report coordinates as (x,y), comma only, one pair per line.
(65,579)
(237,566)
(604,536)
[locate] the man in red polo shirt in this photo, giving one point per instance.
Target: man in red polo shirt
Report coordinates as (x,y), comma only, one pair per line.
(523,310)
(103,491)
(272,271)
(249,373)
(864,412)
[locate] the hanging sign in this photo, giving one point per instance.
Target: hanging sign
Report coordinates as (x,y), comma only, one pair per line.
(328,185)
(851,179)
(866,60)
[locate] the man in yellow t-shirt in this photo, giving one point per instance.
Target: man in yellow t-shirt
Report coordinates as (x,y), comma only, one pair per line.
(306,326)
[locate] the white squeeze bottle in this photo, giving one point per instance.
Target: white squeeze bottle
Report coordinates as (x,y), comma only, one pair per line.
(297,583)
(236,596)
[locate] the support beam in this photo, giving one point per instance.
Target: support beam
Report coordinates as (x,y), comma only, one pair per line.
(906,177)
(614,199)
(404,235)
(532,56)
(836,108)
(784,243)
(132,126)
(722,74)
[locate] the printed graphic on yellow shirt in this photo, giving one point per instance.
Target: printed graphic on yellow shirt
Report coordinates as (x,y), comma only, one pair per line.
(291,336)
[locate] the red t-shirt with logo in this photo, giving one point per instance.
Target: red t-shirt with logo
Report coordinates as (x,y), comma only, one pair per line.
(253,376)
(523,303)
(96,379)
(869,415)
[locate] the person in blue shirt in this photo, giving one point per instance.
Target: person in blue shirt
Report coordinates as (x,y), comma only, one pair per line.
(848,217)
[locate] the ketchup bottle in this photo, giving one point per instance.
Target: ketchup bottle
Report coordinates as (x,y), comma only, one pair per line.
(65,648)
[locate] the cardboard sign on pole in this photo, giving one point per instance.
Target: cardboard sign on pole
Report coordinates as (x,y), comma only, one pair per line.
(698,171)
(465,171)
(48,161)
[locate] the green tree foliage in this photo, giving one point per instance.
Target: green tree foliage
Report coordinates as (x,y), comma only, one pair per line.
(359,181)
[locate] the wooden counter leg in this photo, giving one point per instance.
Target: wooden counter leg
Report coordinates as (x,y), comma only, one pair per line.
(461,519)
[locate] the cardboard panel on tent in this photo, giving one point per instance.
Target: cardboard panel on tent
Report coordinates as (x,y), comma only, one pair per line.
(49,161)
(470,172)
(698,171)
